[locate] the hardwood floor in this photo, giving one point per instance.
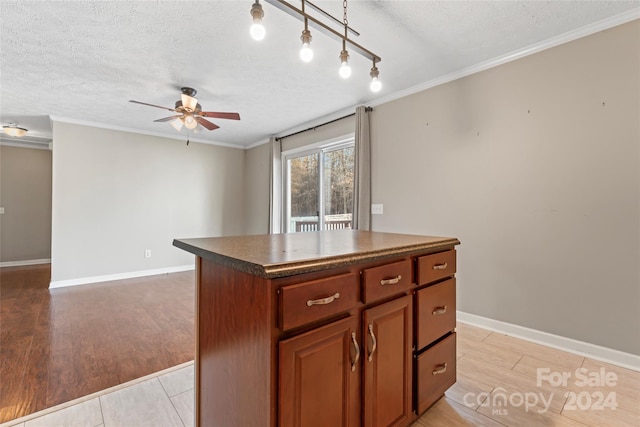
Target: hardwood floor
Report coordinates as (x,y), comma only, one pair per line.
(60,344)
(63,344)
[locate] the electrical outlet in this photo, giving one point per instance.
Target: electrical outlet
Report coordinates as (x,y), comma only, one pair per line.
(147,253)
(377,209)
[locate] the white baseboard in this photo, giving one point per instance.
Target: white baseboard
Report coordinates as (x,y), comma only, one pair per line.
(119,276)
(26,262)
(603,354)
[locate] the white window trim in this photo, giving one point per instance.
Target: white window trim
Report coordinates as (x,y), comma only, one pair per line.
(318,147)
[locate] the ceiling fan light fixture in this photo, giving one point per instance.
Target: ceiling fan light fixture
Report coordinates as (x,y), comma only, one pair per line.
(177,124)
(189,103)
(15,131)
(257,30)
(190,121)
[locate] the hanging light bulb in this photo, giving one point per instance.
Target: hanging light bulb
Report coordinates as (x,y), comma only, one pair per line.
(306,53)
(345,69)
(257,29)
(375,84)
(190,121)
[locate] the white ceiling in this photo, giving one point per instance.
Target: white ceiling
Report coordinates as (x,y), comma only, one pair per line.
(82,61)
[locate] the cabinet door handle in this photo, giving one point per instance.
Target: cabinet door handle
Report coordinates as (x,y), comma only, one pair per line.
(440,369)
(440,266)
(374,342)
(354,362)
(439,310)
(393,281)
(323,301)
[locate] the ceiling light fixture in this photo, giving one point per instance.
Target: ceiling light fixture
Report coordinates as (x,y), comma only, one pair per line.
(345,69)
(177,124)
(190,122)
(375,84)
(306,54)
(12,130)
(257,29)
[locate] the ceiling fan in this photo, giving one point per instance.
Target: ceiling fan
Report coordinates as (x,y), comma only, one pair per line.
(190,113)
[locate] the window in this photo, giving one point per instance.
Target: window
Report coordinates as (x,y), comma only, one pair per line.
(319,180)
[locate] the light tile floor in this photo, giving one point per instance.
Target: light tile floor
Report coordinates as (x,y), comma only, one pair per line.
(160,400)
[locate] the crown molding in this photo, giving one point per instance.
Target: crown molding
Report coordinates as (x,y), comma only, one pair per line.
(567,37)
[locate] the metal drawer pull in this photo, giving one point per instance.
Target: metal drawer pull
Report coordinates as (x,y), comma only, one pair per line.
(440,266)
(354,362)
(323,301)
(440,310)
(441,369)
(375,342)
(393,281)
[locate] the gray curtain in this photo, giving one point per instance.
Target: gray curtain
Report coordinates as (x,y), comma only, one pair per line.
(275,195)
(362,172)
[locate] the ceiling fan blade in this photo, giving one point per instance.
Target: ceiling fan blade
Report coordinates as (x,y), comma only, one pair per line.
(206,123)
(166,119)
(219,115)
(151,105)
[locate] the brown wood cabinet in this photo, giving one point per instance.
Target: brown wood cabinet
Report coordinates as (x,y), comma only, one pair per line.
(318,386)
(387,329)
(322,329)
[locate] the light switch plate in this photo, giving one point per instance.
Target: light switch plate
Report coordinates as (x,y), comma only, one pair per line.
(1,211)
(377,209)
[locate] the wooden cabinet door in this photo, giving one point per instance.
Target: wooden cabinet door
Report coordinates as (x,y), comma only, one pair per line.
(387,354)
(320,377)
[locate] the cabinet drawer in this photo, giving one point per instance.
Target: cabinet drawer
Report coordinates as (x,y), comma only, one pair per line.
(386,280)
(436,372)
(435,312)
(436,266)
(310,301)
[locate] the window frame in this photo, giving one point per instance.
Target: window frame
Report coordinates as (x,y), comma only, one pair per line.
(319,148)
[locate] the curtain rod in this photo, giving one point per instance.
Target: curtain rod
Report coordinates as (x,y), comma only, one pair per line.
(278,138)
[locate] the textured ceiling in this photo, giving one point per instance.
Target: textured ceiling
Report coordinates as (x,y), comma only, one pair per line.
(83,61)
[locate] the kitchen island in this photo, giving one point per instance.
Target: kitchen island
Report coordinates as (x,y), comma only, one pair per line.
(334,328)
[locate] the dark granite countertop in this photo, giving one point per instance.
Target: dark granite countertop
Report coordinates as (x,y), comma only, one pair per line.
(279,255)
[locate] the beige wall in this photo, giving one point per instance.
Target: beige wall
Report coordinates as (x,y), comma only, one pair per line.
(534,165)
(25,194)
(257,189)
(116,194)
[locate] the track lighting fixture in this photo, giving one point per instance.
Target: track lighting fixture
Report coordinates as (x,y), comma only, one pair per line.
(375,84)
(257,29)
(306,53)
(345,69)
